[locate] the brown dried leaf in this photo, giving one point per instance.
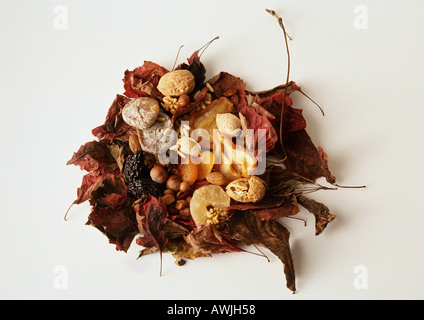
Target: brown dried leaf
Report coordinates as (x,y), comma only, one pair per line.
(319,210)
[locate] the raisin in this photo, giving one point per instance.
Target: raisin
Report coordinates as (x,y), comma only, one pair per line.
(145,187)
(134,168)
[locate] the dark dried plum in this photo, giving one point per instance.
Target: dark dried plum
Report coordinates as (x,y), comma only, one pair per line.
(145,187)
(134,168)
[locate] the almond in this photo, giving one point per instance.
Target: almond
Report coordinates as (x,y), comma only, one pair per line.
(216,178)
(167,199)
(134,143)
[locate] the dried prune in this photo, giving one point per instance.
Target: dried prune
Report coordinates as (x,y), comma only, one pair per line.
(134,168)
(144,187)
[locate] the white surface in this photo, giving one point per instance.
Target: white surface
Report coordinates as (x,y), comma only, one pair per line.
(56,85)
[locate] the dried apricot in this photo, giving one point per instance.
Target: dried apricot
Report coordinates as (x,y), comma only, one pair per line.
(188,172)
(206,164)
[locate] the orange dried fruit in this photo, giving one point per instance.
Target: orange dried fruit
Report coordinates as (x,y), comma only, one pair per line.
(188,172)
(205,166)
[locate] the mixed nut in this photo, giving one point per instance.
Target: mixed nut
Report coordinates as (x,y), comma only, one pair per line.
(222,182)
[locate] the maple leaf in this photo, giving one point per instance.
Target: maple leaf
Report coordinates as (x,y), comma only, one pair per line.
(92,156)
(227,85)
(143,80)
(114,125)
(150,215)
(304,158)
(270,208)
(117,224)
(250,229)
(260,122)
(302,155)
(208,240)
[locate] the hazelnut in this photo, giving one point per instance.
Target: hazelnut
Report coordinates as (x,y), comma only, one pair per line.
(184,186)
(180,204)
(167,191)
(173,183)
(183,100)
(185,212)
(158,174)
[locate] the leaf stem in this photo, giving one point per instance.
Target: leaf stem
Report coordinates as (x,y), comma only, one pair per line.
(205,46)
(66,213)
(280,22)
(176,58)
(352,187)
(322,111)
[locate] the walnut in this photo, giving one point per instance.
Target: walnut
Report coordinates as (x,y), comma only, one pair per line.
(170,104)
(141,112)
(176,83)
(216,215)
(250,189)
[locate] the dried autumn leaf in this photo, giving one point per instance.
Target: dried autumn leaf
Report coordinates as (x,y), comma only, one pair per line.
(227,85)
(270,208)
(143,81)
(114,125)
(94,155)
(209,240)
(304,158)
(151,216)
(250,229)
(117,224)
(180,249)
(321,212)
(260,122)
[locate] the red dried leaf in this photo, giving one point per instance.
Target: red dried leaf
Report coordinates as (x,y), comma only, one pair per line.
(114,125)
(151,215)
(111,191)
(91,182)
(225,84)
(117,224)
(92,156)
(143,81)
(304,158)
(256,122)
(293,119)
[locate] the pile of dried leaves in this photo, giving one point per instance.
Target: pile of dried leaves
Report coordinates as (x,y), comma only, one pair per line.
(293,165)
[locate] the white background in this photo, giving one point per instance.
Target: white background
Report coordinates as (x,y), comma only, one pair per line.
(57,84)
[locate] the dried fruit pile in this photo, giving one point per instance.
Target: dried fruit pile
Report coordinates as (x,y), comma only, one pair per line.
(149,179)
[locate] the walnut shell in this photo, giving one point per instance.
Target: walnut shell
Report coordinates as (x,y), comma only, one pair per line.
(141,112)
(176,83)
(250,189)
